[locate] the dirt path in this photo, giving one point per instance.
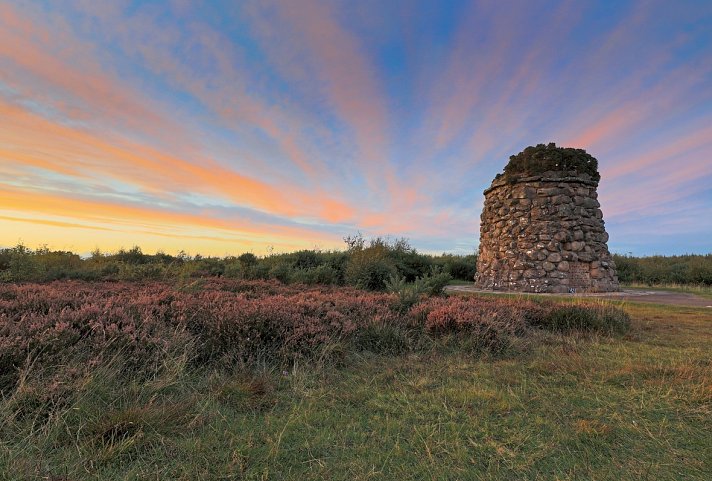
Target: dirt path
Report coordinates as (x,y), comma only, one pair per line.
(633,295)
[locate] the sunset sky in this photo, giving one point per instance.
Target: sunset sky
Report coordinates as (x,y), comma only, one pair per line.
(223,127)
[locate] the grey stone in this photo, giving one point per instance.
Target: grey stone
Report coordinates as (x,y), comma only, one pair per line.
(577,246)
(554,257)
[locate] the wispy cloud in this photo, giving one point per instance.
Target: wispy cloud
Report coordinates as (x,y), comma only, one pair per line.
(294,123)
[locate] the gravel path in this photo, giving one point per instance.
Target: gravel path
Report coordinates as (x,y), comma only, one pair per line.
(634,295)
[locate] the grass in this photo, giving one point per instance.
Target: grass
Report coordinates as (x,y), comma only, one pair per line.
(571,406)
(700,290)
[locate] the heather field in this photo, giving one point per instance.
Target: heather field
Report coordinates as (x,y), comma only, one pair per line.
(233,379)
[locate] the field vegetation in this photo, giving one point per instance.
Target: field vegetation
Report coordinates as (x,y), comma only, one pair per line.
(338,365)
(365,264)
(101,379)
(684,270)
(235,379)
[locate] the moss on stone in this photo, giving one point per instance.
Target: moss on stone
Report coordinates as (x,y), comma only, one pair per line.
(540,159)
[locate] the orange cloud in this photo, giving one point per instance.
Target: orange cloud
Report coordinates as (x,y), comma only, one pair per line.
(71,151)
(54,223)
(115,214)
(52,54)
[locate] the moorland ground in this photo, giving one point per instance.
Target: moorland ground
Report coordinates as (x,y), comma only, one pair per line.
(460,397)
(684,296)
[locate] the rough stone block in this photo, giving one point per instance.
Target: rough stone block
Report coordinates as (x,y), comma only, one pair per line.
(577,246)
(554,257)
(548,191)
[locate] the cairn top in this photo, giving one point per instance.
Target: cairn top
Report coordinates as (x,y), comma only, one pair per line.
(550,161)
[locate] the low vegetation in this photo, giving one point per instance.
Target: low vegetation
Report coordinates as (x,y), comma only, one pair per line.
(195,381)
(364,264)
(296,366)
(689,269)
(232,323)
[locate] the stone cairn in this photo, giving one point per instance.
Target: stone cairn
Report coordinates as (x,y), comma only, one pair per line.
(542,227)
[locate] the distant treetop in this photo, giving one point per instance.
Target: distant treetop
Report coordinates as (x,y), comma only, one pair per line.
(550,158)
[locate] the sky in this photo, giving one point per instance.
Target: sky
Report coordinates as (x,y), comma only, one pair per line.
(221,127)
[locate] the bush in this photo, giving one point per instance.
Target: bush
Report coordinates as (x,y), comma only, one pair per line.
(281,272)
(132,256)
(257,271)
(370,268)
(209,266)
(247,260)
(409,263)
(462,268)
(323,275)
(407,294)
(233,270)
(306,260)
(435,282)
(20,265)
(367,266)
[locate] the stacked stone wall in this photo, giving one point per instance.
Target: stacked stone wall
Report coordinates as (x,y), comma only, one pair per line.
(544,234)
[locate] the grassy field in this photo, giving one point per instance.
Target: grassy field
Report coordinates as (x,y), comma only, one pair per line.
(700,290)
(564,406)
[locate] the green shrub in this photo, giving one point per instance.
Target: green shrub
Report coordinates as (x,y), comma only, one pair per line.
(110,269)
(233,270)
(410,263)
(370,268)
(435,282)
(209,266)
(367,266)
(248,259)
(306,259)
(132,256)
(282,272)
(337,261)
(324,275)
(407,294)
(463,268)
(24,268)
(141,272)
